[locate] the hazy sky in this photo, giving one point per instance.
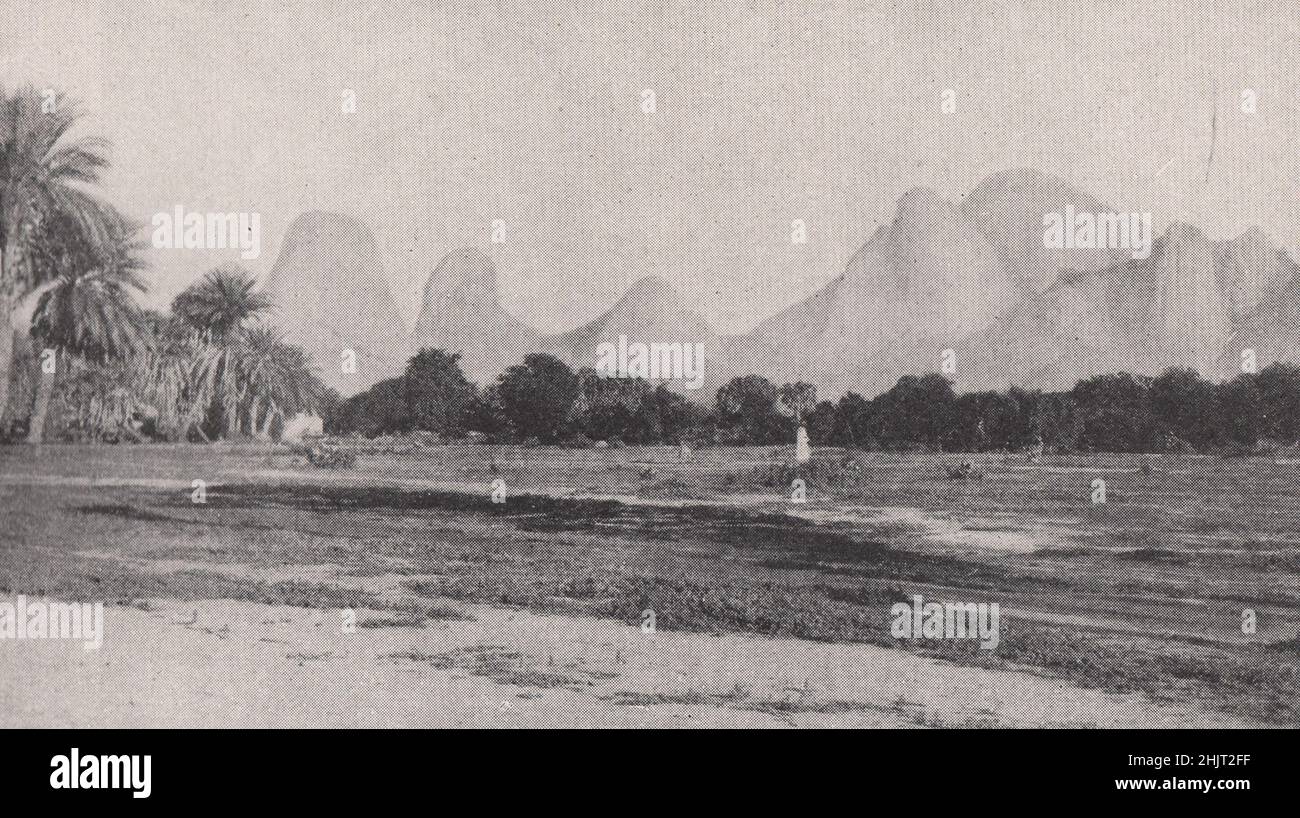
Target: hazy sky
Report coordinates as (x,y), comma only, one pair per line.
(765,112)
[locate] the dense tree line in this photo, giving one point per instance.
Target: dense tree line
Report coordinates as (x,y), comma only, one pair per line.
(544,401)
(1176,411)
(540,399)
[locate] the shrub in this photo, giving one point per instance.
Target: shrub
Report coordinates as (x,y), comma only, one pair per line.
(824,471)
(331,457)
(965,470)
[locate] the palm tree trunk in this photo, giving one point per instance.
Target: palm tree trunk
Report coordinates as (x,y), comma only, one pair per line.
(254,406)
(229,397)
(192,419)
(247,419)
(44,391)
(6,347)
(271,412)
(200,393)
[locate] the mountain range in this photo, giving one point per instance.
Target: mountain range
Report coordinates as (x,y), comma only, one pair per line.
(974,280)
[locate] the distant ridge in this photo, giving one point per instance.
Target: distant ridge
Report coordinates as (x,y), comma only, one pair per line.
(974,277)
(1045,317)
(1193,303)
(1008,208)
(331,295)
(921,284)
(651,311)
(461,313)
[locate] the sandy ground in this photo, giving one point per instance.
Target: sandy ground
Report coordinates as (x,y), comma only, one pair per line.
(225,663)
(234,664)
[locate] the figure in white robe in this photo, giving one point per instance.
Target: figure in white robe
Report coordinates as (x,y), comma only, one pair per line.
(802,451)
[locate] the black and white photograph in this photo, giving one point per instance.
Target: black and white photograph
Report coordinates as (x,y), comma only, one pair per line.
(511,364)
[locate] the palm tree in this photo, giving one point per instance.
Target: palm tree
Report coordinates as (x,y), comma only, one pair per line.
(89,309)
(219,310)
(276,375)
(170,375)
(43,174)
(222,304)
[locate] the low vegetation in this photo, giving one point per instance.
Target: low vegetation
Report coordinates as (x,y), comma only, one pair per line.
(706,569)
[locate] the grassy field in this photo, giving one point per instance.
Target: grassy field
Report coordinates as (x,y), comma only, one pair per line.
(1144,592)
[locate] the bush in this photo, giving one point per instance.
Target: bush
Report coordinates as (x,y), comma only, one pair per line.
(1260,448)
(331,457)
(822,471)
(1171,443)
(965,470)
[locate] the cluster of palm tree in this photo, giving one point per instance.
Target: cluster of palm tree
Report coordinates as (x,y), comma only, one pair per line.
(219,357)
(86,313)
(212,365)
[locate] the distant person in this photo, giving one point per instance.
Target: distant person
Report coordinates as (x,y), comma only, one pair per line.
(802,451)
